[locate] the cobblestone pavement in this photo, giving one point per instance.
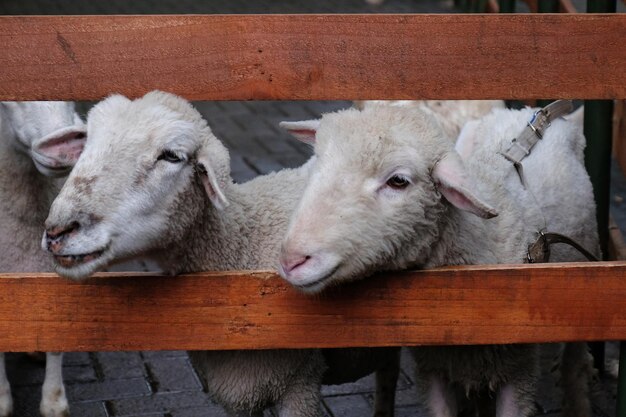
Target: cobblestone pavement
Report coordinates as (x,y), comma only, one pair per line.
(163,384)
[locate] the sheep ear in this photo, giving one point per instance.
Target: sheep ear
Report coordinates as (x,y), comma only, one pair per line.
(304,131)
(453,183)
(211,184)
(56,153)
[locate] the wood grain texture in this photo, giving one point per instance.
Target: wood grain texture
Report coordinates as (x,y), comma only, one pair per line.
(311,57)
(233,310)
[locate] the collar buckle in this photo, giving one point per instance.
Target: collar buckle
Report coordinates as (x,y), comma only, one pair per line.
(539,122)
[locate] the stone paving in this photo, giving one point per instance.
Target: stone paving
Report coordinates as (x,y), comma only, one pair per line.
(163,384)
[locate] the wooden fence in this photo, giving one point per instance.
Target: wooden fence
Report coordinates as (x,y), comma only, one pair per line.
(311,57)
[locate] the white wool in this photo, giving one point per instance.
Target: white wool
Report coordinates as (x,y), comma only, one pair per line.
(352,222)
(25,197)
(451,114)
(558,187)
(153,180)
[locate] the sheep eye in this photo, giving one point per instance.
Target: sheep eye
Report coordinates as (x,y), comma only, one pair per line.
(169,156)
(398,182)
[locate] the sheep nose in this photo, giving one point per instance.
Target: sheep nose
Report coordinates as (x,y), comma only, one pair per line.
(56,234)
(289,262)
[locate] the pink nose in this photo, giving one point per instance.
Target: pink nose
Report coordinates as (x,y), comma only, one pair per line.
(290,262)
(55,235)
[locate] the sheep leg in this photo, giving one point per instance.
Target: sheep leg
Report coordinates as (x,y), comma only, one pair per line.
(53,399)
(6,400)
(302,400)
(440,398)
(576,373)
(506,403)
(386,381)
(511,401)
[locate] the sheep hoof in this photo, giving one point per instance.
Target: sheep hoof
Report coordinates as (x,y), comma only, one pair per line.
(54,407)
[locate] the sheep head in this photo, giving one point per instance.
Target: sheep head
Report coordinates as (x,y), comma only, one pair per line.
(140,184)
(452,114)
(50,132)
(376,198)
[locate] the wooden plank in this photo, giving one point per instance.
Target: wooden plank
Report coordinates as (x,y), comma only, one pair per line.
(234,310)
(310,57)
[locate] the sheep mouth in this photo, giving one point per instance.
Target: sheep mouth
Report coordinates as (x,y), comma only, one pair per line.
(70,261)
(318,284)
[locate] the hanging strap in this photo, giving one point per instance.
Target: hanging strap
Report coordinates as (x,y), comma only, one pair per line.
(539,252)
(521,145)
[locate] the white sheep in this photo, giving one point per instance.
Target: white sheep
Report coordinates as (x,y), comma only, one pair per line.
(30,158)
(389,192)
(451,114)
(153,180)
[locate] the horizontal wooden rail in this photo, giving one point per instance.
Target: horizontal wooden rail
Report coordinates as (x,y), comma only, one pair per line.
(235,310)
(311,57)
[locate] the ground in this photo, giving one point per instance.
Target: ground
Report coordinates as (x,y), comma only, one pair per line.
(163,384)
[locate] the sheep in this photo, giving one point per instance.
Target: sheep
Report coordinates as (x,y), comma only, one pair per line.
(172,178)
(451,114)
(389,192)
(30,162)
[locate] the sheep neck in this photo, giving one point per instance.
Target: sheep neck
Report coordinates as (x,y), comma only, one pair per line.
(468,240)
(222,240)
(247,233)
(448,249)
(27,193)
(26,199)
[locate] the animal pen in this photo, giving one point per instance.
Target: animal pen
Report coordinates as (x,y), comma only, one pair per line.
(321,57)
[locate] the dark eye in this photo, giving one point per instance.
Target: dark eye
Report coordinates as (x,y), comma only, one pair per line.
(169,156)
(398,182)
